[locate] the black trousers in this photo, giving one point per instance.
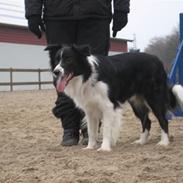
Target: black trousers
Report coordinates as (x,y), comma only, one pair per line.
(94,32)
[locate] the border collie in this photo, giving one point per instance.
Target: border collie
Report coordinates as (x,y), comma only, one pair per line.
(101,84)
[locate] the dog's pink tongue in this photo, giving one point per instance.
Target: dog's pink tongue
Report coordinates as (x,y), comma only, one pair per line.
(61,83)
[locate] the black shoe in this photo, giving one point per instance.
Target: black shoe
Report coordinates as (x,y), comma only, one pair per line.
(84,132)
(70,137)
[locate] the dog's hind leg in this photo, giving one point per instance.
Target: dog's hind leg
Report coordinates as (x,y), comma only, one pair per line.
(141,111)
(158,107)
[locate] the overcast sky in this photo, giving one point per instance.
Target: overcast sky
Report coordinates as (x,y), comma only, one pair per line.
(147,18)
(152,18)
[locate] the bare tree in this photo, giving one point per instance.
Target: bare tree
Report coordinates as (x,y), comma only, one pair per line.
(165,48)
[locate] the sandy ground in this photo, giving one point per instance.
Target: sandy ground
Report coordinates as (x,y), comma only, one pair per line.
(30,150)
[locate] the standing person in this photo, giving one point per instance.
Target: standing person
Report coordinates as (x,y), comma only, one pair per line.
(78,22)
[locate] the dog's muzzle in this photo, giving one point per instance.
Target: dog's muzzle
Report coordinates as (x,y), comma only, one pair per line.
(57,71)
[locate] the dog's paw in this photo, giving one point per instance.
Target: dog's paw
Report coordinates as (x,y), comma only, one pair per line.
(143,138)
(88,148)
(163,143)
(139,141)
(101,149)
(164,139)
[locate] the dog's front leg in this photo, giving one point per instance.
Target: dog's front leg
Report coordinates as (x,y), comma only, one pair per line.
(108,118)
(92,125)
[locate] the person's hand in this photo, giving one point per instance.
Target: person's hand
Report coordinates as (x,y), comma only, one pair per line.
(120,19)
(36,25)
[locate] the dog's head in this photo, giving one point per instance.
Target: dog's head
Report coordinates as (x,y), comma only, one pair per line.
(68,62)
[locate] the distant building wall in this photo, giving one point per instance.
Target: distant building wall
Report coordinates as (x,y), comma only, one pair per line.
(18,34)
(23,56)
(119,45)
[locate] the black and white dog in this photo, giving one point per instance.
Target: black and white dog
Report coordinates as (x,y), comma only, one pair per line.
(100,84)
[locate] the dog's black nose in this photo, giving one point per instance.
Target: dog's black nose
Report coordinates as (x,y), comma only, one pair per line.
(56,73)
(58,70)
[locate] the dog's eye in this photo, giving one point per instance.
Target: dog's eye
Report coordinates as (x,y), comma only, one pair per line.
(68,60)
(66,63)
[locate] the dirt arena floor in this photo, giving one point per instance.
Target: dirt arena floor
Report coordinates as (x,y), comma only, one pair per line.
(30,150)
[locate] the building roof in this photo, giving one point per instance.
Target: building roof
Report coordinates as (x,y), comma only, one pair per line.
(12,12)
(121,40)
(13,26)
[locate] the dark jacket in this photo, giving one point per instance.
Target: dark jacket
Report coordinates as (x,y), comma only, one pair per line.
(74,9)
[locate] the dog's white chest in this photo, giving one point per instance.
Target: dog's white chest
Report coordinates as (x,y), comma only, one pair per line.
(88,95)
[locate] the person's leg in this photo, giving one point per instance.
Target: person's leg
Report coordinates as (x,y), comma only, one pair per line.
(60,31)
(70,116)
(96,33)
(63,32)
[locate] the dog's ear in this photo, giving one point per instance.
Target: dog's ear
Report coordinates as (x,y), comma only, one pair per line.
(53,47)
(82,49)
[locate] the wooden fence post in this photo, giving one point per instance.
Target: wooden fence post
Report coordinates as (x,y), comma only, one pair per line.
(11,79)
(39,78)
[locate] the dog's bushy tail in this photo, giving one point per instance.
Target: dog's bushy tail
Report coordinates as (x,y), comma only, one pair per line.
(176,97)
